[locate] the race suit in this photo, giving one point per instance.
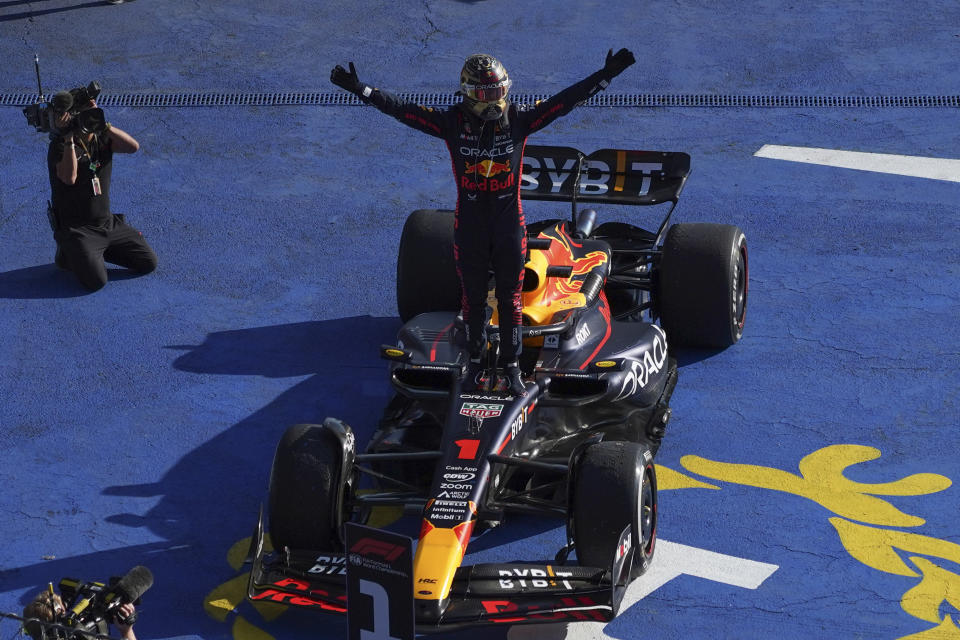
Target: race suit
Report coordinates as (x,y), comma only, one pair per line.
(489,228)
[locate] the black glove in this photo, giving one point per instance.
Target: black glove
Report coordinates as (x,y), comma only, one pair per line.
(617,62)
(347,79)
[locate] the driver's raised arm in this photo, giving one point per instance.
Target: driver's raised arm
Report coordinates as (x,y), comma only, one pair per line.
(411,114)
(545,112)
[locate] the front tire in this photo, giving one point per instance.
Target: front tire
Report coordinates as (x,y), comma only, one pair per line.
(308,499)
(703,285)
(615,485)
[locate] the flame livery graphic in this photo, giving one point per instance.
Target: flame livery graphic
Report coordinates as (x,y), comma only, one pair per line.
(545,296)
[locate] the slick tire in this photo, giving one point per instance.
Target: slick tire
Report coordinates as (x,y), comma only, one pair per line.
(306,493)
(426,274)
(615,485)
(703,284)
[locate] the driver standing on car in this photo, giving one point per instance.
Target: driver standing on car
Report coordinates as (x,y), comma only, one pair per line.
(485,134)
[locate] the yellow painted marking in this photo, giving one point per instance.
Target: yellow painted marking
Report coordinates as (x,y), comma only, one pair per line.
(222,603)
(237,554)
(621,170)
(243,630)
(946,630)
(669,479)
(937,587)
(228,597)
(876,548)
(821,479)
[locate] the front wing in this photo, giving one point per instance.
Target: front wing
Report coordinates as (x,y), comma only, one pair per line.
(512,593)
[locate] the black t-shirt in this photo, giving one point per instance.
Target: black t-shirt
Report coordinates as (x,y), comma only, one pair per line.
(76,204)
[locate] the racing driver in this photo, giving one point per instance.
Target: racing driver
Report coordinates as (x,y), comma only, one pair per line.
(485,134)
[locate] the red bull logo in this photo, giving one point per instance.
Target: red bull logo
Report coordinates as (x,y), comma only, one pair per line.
(491,184)
(487,168)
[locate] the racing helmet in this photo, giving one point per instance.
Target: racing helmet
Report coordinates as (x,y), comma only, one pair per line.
(484,84)
(484,79)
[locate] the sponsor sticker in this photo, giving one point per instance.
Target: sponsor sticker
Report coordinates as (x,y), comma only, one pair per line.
(480,410)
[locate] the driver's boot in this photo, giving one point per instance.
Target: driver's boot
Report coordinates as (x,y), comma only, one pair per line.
(514,381)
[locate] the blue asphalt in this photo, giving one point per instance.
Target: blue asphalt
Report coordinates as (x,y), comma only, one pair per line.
(137,424)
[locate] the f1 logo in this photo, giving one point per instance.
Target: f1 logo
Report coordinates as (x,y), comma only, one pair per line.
(372,547)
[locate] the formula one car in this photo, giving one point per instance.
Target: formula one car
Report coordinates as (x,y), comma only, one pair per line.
(580,444)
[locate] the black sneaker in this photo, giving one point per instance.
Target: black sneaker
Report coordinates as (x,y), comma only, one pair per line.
(473,378)
(514,381)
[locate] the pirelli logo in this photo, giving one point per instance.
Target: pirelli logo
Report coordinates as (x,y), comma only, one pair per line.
(480,410)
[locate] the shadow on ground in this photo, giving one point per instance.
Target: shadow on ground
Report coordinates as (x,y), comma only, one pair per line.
(208,500)
(46,281)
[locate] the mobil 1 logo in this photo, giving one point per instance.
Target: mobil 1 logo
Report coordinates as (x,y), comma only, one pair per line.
(379,584)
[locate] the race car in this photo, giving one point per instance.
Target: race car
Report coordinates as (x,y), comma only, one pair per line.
(604,308)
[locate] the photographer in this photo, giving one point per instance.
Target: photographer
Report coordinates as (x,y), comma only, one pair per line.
(80,163)
(49,607)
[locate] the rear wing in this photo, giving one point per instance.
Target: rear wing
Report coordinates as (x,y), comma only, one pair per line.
(607,176)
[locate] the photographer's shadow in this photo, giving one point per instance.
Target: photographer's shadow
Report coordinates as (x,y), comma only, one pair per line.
(47,281)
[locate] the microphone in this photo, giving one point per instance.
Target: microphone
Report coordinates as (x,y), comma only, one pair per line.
(130,587)
(62,101)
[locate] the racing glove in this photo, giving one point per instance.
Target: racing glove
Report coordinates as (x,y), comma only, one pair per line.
(617,62)
(348,80)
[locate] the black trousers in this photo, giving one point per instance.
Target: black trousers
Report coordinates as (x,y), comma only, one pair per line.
(83,250)
(485,239)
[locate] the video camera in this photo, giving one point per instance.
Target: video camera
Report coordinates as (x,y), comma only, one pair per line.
(43,114)
(91,606)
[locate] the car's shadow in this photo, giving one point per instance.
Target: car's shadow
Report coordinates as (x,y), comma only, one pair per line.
(687,356)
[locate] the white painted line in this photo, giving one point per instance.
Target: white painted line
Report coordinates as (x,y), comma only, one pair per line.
(913,166)
(672,560)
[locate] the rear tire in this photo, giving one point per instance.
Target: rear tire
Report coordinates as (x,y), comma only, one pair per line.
(306,494)
(426,273)
(704,278)
(615,486)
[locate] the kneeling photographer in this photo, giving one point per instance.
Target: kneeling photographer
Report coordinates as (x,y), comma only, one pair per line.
(85,610)
(80,163)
